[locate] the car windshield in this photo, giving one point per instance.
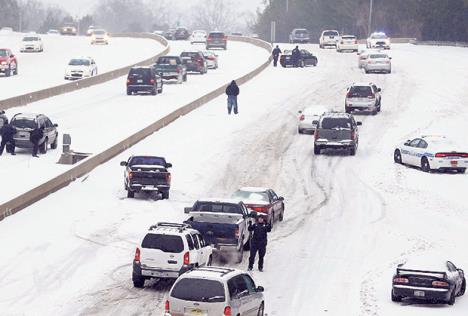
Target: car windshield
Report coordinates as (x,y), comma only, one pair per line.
(336,123)
(147,161)
(199,290)
(248,195)
(217,35)
(168,60)
(140,73)
(217,208)
(79,62)
(99,32)
(377,56)
(165,243)
(30,39)
(360,91)
(23,123)
(330,33)
(3,53)
(378,36)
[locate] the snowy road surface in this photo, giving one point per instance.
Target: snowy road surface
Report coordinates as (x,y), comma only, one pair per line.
(44,70)
(349,220)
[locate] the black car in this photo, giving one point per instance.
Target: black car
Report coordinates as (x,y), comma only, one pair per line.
(307,59)
(181,33)
(169,34)
(438,282)
(144,79)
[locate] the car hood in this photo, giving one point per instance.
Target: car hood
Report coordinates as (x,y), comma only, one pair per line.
(82,68)
(3,59)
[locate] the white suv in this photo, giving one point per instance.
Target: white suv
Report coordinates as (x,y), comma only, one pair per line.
(198,36)
(329,38)
(81,67)
(363,97)
(215,291)
(167,251)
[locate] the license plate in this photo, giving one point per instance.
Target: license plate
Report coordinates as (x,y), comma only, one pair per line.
(419,293)
(196,312)
(139,81)
(454,163)
(152,273)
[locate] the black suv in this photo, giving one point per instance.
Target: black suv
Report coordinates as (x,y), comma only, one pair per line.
(144,79)
(181,33)
(216,39)
(25,123)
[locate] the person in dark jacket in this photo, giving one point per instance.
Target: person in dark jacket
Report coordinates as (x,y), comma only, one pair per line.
(8,131)
(276,52)
(36,135)
(232,92)
(258,241)
(296,56)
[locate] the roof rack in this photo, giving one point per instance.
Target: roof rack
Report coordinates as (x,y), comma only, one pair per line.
(180,227)
(221,270)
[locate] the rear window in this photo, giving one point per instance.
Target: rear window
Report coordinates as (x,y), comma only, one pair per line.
(147,161)
(301,32)
(168,61)
(217,35)
(24,123)
(30,39)
(217,208)
(165,243)
(330,33)
(375,56)
(199,290)
(140,73)
(256,196)
(3,52)
(360,91)
(79,62)
(336,123)
(189,54)
(378,36)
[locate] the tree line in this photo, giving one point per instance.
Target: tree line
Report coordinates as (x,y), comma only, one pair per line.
(439,20)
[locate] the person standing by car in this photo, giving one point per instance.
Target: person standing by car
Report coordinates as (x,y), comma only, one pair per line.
(232,92)
(36,135)
(8,131)
(276,52)
(296,56)
(258,241)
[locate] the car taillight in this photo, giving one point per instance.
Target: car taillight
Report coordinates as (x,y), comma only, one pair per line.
(355,41)
(167,306)
(302,117)
(129,81)
(440,283)
(130,175)
(237,233)
(137,255)
(225,38)
(211,58)
(187,258)
(168,178)
(400,280)
(227,311)
(152,81)
(371,96)
(262,209)
(353,135)
(316,133)
(444,155)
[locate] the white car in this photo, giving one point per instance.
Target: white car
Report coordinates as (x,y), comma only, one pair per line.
(378,62)
(53,32)
(90,30)
(215,291)
(167,251)
(31,43)
(81,67)
(347,43)
(378,40)
(363,97)
(198,36)
(329,38)
(99,37)
(432,153)
(309,117)
(211,59)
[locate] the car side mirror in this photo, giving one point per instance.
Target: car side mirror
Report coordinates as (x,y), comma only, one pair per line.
(187,210)
(315,122)
(55,125)
(281,198)
(123,163)
(300,112)
(260,289)
(379,90)
(389,57)
(407,142)
(12,56)
(359,123)
(168,165)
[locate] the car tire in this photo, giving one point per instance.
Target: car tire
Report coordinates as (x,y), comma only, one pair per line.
(130,194)
(185,78)
(281,216)
(272,220)
(299,131)
(463,170)
(396,298)
(317,150)
(348,110)
(261,310)
(129,92)
(160,89)
(154,91)
(54,144)
(16,70)
(451,300)
(397,157)
(43,147)
(366,71)
(375,111)
(8,72)
(352,151)
(210,261)
(425,166)
(165,195)
(180,80)
(138,282)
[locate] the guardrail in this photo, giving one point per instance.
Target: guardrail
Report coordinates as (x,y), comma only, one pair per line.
(436,43)
(87,165)
(88,82)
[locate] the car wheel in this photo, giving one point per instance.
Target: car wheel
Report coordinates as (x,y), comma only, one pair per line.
(396,298)
(272,220)
(160,89)
(261,310)
(366,71)
(180,80)
(185,77)
(425,166)
(240,253)
(138,282)
(165,195)
(16,70)
(317,150)
(463,170)
(451,300)
(210,261)
(8,72)
(281,216)
(397,156)
(299,131)
(129,92)
(130,194)
(352,151)
(463,288)
(374,112)
(154,91)
(43,148)
(347,110)
(54,144)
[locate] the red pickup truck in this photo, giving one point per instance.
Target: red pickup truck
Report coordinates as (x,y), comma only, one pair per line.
(8,63)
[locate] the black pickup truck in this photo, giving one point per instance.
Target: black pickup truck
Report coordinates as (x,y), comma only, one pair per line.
(222,223)
(147,174)
(171,67)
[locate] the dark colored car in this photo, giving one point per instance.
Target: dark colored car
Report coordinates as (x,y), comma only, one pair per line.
(181,33)
(8,62)
(438,283)
(171,67)
(307,59)
(25,123)
(147,174)
(144,79)
(194,61)
(216,40)
(169,34)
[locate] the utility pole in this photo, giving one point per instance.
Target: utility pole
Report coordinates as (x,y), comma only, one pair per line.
(370,17)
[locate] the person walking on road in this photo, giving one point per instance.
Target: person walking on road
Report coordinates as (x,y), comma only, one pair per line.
(232,92)
(258,241)
(296,56)
(36,135)
(276,53)
(8,132)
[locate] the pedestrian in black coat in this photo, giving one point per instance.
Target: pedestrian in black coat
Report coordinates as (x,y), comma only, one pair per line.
(296,56)
(276,52)
(36,135)
(8,132)
(232,92)
(258,241)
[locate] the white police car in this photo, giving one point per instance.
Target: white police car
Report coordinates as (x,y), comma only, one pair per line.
(432,153)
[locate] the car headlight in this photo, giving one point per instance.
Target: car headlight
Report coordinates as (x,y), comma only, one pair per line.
(4,63)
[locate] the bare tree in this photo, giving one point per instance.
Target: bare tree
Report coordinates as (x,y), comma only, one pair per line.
(214,14)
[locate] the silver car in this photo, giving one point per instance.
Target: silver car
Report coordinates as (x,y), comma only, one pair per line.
(215,291)
(25,123)
(309,117)
(363,97)
(378,62)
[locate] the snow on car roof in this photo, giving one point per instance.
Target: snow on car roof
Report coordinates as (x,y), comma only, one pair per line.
(212,272)
(426,262)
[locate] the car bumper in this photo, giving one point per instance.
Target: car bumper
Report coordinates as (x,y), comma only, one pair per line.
(76,76)
(4,68)
(378,67)
(335,145)
(301,40)
(170,75)
(23,143)
(443,164)
(421,293)
(148,187)
(194,68)
(350,105)
(330,43)
(307,126)
(348,47)
(216,45)
(148,272)
(30,49)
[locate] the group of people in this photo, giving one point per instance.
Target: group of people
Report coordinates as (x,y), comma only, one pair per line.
(296,56)
(8,131)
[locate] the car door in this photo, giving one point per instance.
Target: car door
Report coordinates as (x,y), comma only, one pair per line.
(49,127)
(195,253)
(420,151)
(202,252)
(252,301)
(241,295)
(408,152)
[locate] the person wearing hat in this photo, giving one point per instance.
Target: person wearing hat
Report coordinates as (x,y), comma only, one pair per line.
(276,52)
(35,137)
(258,241)
(232,91)
(7,132)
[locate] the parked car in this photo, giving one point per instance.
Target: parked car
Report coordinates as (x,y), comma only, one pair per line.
(198,36)
(378,40)
(299,36)
(347,43)
(336,131)
(90,30)
(8,62)
(223,223)
(309,117)
(81,67)
(3,118)
(307,59)
(53,32)
(432,153)
(211,59)
(100,36)
(171,67)
(194,61)
(363,97)
(215,291)
(438,281)
(262,200)
(181,33)
(25,123)
(31,43)
(69,29)
(378,62)
(329,38)
(216,40)
(167,251)
(144,79)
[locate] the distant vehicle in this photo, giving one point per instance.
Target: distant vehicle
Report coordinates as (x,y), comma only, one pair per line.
(167,251)
(90,30)
(262,200)
(144,79)
(3,118)
(215,291)
(31,43)
(100,37)
(211,59)
(362,58)
(378,62)
(223,223)
(147,174)
(237,34)
(198,36)
(6,30)
(181,33)
(336,131)
(216,40)
(194,61)
(158,32)
(309,117)
(170,34)
(53,32)
(438,282)
(432,153)
(171,68)
(329,38)
(363,97)
(299,36)
(8,62)
(81,67)
(307,59)
(25,123)
(69,29)
(378,40)
(347,43)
